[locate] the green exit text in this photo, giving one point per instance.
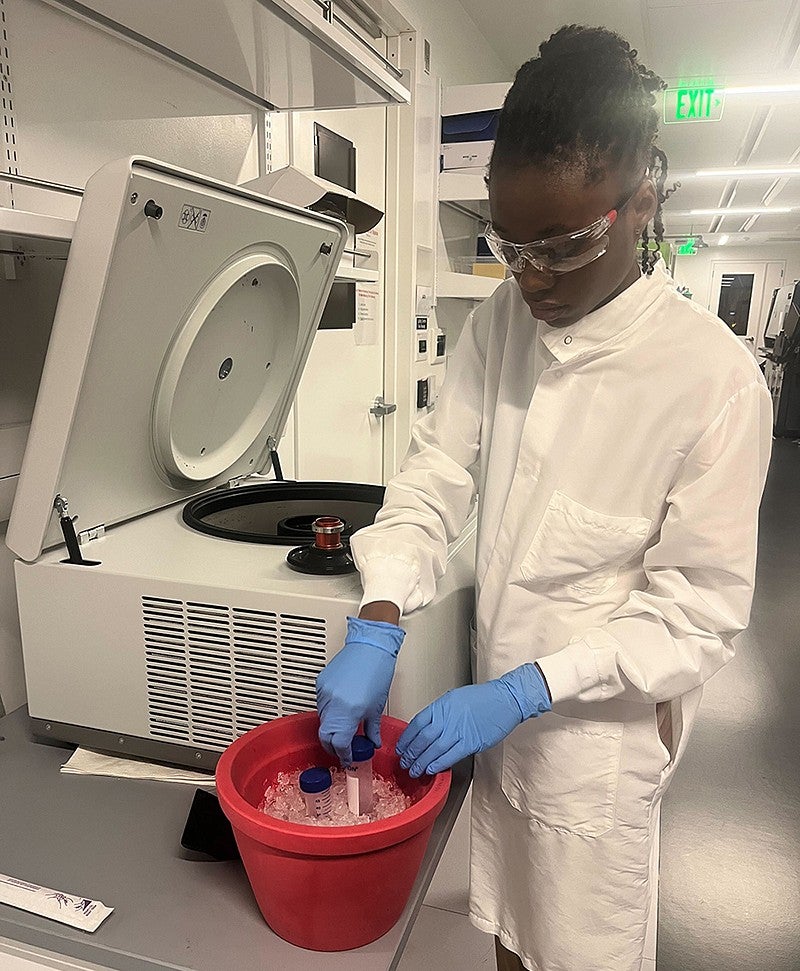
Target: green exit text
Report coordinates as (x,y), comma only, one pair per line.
(693,104)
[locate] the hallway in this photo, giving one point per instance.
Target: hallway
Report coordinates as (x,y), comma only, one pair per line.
(730,872)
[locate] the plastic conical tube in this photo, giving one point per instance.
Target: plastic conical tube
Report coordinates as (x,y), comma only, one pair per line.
(359,777)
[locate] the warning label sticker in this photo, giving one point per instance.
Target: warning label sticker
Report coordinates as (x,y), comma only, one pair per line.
(194,218)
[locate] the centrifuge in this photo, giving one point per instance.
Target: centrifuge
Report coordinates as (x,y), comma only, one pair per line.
(159,615)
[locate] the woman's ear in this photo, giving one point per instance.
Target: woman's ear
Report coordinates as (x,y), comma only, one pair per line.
(644,204)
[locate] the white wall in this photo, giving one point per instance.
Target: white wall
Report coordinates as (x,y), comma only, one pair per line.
(695,271)
(460,54)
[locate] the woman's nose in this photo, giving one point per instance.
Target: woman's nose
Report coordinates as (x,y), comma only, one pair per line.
(534,281)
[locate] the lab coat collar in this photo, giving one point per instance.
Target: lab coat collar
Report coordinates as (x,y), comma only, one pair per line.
(608,323)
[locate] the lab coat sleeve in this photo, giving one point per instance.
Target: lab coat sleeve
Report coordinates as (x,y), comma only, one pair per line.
(673,635)
(402,556)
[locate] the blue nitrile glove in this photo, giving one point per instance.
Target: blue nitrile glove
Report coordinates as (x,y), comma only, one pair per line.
(355,685)
(471,719)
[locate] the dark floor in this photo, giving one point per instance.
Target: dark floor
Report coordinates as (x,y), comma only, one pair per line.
(730,876)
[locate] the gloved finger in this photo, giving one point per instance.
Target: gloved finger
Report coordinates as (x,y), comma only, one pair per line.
(372,729)
(409,736)
(342,746)
(325,741)
(449,759)
(438,748)
(427,736)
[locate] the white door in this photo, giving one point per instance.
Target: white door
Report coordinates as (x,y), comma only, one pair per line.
(336,436)
(740,293)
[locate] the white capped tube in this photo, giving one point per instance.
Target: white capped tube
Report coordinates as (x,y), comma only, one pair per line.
(359,777)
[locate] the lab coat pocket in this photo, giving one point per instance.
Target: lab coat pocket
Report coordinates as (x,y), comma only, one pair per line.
(564,772)
(579,549)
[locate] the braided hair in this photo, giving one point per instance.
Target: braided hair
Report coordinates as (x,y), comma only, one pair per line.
(586,100)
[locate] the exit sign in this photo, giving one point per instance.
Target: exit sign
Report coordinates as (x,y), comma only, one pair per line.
(688,248)
(693,104)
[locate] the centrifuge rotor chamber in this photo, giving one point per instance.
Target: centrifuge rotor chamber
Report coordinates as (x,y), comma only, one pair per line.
(277,512)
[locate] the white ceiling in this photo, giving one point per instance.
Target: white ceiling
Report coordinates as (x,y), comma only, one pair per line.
(725,42)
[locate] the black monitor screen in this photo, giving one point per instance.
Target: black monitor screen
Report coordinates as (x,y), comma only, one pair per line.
(340,310)
(334,158)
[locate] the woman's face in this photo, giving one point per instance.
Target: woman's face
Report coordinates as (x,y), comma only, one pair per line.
(532,203)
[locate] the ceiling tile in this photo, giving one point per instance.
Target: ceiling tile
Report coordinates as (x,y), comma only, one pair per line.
(717,40)
(516,28)
(713,144)
(782,137)
(790,222)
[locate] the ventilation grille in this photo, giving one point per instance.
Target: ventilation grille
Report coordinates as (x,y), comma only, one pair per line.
(214,671)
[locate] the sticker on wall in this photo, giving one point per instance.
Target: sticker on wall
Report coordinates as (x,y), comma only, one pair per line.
(371,240)
(366,329)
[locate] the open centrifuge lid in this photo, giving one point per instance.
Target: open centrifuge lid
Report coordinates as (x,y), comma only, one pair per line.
(185,319)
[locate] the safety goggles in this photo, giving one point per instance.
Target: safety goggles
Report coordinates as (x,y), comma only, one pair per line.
(558,254)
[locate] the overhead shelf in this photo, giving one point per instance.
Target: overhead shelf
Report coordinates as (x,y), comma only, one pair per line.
(275,54)
(465,286)
(356,274)
(25,227)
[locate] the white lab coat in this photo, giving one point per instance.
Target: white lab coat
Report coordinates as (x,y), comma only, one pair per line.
(620,464)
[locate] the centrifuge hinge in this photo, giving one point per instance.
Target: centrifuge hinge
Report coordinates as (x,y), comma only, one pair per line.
(238,481)
(73,540)
(96,532)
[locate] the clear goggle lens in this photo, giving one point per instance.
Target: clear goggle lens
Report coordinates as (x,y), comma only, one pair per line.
(559,254)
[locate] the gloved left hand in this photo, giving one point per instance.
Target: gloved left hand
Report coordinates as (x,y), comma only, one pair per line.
(355,685)
(471,719)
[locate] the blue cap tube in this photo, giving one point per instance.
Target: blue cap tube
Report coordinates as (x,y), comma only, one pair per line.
(315,784)
(315,780)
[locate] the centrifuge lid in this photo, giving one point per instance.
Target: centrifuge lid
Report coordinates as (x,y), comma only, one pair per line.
(177,346)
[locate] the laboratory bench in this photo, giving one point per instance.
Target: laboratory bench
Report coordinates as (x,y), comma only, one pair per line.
(118,841)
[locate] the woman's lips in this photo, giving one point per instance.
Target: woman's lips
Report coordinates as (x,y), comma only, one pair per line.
(547,311)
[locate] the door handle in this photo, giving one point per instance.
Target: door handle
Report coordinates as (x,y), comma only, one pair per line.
(380,409)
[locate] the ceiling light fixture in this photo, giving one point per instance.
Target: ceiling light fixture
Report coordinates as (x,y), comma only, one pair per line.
(762,89)
(745,172)
(724,239)
(755,211)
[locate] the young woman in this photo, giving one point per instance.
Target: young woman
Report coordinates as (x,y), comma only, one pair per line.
(618,437)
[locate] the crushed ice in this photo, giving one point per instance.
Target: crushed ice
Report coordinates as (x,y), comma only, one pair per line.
(284,800)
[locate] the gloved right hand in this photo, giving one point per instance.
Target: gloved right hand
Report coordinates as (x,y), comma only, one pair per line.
(355,685)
